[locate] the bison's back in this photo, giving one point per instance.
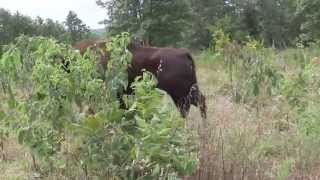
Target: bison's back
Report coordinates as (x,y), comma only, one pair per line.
(174,69)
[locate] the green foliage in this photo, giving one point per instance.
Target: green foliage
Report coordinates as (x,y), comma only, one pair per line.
(251,71)
(261,76)
(185,22)
(308,121)
(190,21)
(309,11)
(50,28)
(253,44)
(13,25)
(116,78)
(301,88)
(284,169)
(302,92)
(60,108)
(278,32)
(220,40)
(157,22)
(76,28)
(205,14)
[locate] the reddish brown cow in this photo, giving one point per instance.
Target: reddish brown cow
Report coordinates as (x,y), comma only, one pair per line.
(99,47)
(82,46)
(174,69)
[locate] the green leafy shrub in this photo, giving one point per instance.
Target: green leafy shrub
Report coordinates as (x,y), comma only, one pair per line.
(59,106)
(220,40)
(252,71)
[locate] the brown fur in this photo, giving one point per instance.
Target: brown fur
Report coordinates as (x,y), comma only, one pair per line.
(175,71)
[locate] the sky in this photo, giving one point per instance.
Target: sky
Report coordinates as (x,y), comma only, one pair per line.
(87,10)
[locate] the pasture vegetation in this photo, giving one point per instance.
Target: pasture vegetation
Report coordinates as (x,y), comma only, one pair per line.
(60,120)
(55,104)
(263,119)
(263,113)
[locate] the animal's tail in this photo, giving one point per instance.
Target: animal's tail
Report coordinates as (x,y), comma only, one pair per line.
(196,97)
(203,106)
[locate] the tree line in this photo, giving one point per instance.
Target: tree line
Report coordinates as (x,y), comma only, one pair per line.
(188,23)
(14,24)
(278,23)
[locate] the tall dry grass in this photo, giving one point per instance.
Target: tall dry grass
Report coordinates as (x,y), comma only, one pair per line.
(240,142)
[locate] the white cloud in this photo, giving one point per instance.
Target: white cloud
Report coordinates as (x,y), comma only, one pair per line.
(87,10)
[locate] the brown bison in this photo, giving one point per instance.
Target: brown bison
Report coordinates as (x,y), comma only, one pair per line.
(174,69)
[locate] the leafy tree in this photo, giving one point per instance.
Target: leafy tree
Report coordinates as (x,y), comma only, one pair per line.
(76,28)
(309,10)
(13,25)
(158,22)
(5,33)
(22,24)
(50,28)
(205,14)
(276,20)
(278,23)
(249,19)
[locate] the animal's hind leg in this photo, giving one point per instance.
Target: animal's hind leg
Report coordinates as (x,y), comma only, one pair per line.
(183,105)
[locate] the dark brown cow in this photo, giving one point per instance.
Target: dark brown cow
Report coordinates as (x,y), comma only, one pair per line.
(175,71)
(173,68)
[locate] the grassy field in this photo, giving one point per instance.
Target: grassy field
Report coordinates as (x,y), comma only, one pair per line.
(262,137)
(260,141)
